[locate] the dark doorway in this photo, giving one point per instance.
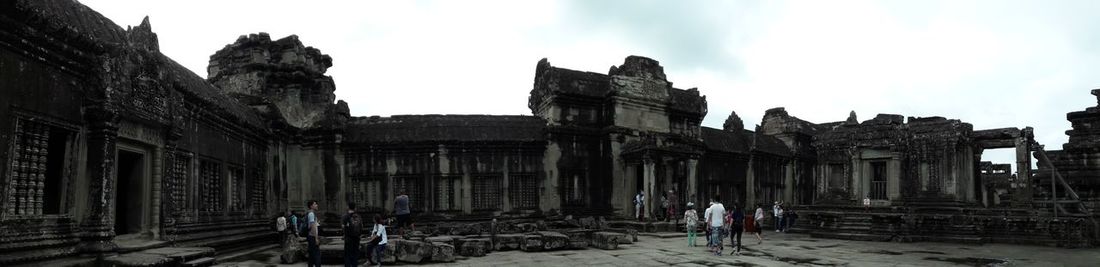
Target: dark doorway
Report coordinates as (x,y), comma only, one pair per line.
(128,196)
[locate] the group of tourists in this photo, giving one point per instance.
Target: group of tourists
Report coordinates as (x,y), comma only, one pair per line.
(721,221)
(290,227)
(668,201)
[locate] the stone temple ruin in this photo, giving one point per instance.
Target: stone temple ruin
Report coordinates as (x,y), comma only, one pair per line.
(107,141)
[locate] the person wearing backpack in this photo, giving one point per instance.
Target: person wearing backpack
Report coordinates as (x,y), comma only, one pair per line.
(313,234)
(353,228)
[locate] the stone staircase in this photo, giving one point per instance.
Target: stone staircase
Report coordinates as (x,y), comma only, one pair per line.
(851,227)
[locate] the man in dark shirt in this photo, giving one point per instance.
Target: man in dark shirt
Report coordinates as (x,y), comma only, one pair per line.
(353,226)
(401,208)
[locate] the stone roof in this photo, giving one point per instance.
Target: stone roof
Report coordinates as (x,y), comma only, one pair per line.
(687,101)
(445,128)
(68,20)
(725,141)
(741,142)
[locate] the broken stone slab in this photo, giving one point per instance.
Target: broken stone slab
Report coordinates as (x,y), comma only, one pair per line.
(484,243)
(409,251)
(531,243)
(607,240)
(631,235)
(471,249)
(443,252)
(579,239)
(389,255)
(509,241)
(447,239)
(553,240)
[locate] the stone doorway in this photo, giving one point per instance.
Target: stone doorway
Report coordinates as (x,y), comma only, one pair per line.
(132,181)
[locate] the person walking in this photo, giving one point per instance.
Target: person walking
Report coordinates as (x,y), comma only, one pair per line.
(314,233)
(758,223)
(777,213)
(715,220)
(404,214)
(737,226)
(639,206)
(353,228)
(691,221)
(706,220)
(673,201)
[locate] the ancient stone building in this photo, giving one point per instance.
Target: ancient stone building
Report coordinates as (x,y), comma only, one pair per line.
(110,146)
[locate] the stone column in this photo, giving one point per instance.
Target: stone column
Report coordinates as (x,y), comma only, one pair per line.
(788,182)
(692,182)
(750,182)
(98,227)
(649,178)
(1022,195)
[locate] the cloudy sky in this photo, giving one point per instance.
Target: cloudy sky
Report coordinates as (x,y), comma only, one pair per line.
(990,63)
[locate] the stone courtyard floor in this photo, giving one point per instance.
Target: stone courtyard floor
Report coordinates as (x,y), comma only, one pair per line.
(777,250)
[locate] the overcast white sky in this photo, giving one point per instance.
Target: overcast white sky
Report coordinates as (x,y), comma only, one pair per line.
(990,63)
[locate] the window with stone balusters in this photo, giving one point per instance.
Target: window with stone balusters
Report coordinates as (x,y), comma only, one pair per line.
(210,179)
(39,165)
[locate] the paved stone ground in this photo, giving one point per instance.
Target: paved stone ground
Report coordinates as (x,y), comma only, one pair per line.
(777,250)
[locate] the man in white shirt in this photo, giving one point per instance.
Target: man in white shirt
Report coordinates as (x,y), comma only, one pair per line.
(715,219)
(777,210)
(376,245)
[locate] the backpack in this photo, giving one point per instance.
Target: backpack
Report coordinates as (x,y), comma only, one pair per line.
(303,227)
(356,225)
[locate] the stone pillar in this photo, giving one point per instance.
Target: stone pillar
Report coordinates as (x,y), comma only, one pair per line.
(692,182)
(98,226)
(649,178)
(505,193)
(788,182)
(1022,195)
(856,181)
(170,210)
(750,182)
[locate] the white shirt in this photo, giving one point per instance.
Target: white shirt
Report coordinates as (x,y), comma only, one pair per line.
(706,213)
(777,210)
(280,223)
(759,214)
(380,230)
(717,213)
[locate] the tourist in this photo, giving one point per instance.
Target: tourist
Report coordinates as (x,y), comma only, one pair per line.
(404,214)
(715,219)
(672,203)
(790,216)
(758,223)
(314,231)
(376,246)
(737,226)
(777,213)
(691,221)
(706,219)
(639,206)
(353,227)
(280,227)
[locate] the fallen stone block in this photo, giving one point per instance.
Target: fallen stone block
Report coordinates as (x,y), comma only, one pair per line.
(531,243)
(485,244)
(471,249)
(606,240)
(137,259)
(447,239)
(410,251)
(553,240)
(509,242)
(443,252)
(631,235)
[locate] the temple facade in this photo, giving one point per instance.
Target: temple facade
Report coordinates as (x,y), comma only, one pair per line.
(108,142)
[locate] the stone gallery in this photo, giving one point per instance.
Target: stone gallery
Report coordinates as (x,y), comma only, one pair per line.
(108,143)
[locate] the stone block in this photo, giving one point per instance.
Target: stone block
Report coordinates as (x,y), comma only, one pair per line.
(446,239)
(485,244)
(509,242)
(606,240)
(553,240)
(410,251)
(631,235)
(531,243)
(443,252)
(471,249)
